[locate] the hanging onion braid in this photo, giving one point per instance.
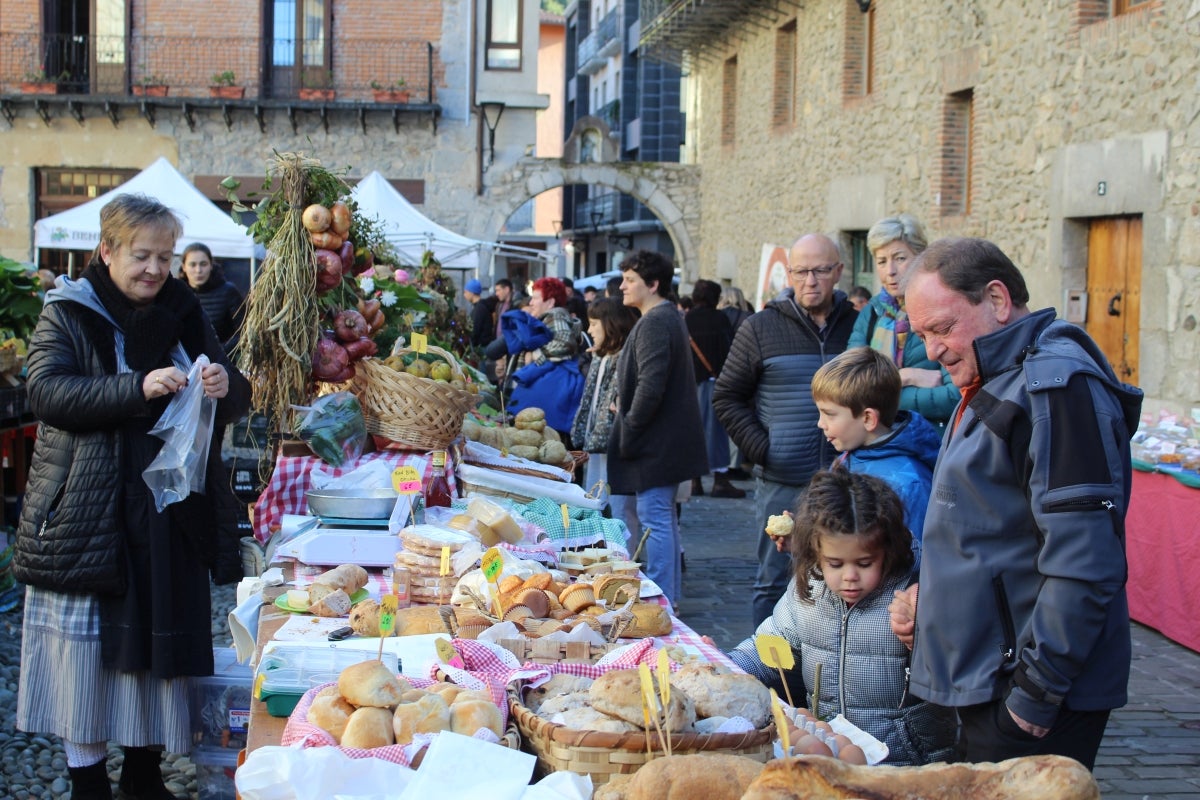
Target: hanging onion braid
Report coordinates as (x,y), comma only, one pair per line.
(838,502)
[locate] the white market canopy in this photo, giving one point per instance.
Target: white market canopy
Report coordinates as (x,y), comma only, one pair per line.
(79,228)
(410,231)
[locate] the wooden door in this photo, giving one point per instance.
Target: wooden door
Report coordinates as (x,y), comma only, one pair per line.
(1114,285)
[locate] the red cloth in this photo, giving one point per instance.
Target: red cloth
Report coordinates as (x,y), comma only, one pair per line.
(290,481)
(1162,545)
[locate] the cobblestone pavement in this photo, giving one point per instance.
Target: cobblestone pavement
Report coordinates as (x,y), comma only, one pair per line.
(1151,748)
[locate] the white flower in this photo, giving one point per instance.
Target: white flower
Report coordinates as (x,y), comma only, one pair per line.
(367,285)
(387,299)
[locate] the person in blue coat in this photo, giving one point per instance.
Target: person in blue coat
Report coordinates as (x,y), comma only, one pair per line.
(883,323)
(858,396)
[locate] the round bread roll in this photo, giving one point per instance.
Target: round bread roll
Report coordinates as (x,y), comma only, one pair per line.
(364,618)
(430,714)
(728,694)
(370,683)
(330,713)
(468,716)
(367,728)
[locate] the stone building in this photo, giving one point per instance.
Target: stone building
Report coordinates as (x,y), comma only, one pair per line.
(309,70)
(1066,131)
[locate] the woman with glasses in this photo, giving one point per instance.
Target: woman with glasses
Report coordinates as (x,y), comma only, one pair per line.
(883,324)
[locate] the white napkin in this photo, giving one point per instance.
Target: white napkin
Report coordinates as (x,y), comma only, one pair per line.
(497,773)
(243,625)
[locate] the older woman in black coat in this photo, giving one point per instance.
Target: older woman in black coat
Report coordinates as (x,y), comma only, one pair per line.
(117,606)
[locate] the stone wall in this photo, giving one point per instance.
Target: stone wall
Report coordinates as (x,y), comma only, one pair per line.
(1057,103)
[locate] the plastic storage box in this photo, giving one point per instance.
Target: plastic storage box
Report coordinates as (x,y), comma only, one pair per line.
(215,768)
(220,705)
(286,672)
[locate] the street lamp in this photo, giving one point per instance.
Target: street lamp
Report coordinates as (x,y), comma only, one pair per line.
(597,216)
(491,112)
(557,225)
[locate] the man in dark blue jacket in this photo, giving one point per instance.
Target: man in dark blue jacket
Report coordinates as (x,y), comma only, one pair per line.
(762,395)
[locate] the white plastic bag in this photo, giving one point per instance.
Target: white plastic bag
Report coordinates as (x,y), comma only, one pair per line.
(186,428)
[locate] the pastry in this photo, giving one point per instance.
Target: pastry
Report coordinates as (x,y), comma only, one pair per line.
(468,716)
(619,694)
(429,714)
(370,683)
(724,694)
(534,600)
(367,728)
(364,618)
(779,525)
(577,597)
(1027,778)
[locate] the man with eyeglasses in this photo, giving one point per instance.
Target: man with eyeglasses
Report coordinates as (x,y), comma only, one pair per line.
(762,394)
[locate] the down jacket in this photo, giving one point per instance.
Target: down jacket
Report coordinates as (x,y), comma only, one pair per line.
(863,666)
(74,487)
(763,395)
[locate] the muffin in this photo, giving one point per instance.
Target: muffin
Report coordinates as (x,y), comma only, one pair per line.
(577,597)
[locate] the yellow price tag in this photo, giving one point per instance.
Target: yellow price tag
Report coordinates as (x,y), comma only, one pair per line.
(444,567)
(566,517)
(664,677)
(258,682)
(445,650)
(648,697)
(781,724)
(419,342)
(387,614)
(406,480)
(492,564)
(774,651)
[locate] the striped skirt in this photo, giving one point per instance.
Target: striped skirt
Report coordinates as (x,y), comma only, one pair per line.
(64,689)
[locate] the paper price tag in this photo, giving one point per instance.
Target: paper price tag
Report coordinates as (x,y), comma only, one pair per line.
(664,677)
(444,567)
(406,480)
(387,614)
(781,724)
(258,682)
(492,564)
(566,517)
(648,697)
(447,654)
(774,651)
(419,342)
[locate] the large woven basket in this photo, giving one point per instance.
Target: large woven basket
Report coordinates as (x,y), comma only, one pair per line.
(414,412)
(603,755)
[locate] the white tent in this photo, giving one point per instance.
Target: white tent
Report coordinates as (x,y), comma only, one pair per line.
(79,228)
(411,232)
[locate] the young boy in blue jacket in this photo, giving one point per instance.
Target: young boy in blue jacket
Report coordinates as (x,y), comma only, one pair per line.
(858,398)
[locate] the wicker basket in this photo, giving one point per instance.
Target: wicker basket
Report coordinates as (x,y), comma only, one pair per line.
(602,755)
(415,412)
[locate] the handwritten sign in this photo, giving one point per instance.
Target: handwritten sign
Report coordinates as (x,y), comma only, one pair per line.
(419,342)
(406,480)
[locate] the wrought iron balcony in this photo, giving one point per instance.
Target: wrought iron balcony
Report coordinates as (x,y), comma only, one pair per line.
(611,114)
(267,69)
(601,44)
(675,30)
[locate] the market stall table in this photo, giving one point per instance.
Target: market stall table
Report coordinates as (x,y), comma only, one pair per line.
(292,478)
(1162,544)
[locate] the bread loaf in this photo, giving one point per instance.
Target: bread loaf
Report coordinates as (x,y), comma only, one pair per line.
(699,776)
(367,728)
(618,693)
(370,683)
(649,619)
(429,714)
(1027,778)
(334,604)
(724,694)
(364,618)
(469,715)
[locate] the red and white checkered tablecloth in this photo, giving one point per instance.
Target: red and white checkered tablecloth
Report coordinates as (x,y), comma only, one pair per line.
(291,480)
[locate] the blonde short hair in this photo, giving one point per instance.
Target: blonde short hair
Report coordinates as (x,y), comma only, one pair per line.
(900,228)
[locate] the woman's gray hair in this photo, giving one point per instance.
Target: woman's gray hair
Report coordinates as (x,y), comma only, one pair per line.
(900,228)
(732,296)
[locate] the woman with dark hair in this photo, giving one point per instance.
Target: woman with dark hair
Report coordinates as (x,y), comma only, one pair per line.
(609,324)
(710,335)
(117,607)
(220,299)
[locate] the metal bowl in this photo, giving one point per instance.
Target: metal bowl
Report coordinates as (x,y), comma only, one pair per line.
(351,503)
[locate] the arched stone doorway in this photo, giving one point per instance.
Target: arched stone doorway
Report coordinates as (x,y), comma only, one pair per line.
(669,191)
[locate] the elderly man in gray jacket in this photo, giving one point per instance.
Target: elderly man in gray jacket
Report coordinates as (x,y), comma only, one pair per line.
(762,395)
(657,441)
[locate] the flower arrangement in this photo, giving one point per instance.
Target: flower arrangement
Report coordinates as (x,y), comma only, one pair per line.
(402,304)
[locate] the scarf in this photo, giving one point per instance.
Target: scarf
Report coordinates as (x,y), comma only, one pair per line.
(153,329)
(891,329)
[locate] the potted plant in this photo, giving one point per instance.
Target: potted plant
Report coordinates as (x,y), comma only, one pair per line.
(395,92)
(151,86)
(315,85)
(38,82)
(224,85)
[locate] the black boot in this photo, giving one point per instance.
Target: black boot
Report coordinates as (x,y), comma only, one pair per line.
(141,776)
(723,488)
(91,783)
(697,488)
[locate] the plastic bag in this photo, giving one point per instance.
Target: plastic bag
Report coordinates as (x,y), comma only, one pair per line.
(333,427)
(186,428)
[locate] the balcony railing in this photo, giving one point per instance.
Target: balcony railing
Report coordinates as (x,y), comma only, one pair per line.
(677,30)
(601,44)
(611,114)
(267,68)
